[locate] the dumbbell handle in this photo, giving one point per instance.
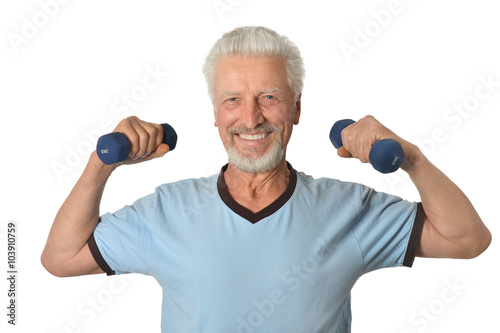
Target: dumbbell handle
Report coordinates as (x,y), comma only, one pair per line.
(385,156)
(114,147)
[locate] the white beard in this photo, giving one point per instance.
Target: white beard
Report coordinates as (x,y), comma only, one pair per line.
(264,163)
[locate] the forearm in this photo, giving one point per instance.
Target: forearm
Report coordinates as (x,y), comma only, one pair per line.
(451,220)
(78,215)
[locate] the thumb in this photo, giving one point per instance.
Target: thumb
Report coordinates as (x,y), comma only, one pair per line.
(342,152)
(160,151)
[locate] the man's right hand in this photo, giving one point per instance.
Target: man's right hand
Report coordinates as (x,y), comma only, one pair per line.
(145,139)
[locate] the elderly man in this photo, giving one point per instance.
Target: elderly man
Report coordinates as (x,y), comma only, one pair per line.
(267,248)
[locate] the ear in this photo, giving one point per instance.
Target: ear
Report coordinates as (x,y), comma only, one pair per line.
(297,111)
(215,117)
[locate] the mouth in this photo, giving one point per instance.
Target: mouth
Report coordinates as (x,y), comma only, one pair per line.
(253,137)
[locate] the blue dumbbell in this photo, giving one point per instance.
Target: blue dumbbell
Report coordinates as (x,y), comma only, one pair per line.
(114,147)
(386,155)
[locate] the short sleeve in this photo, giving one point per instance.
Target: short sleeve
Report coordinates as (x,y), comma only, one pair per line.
(122,240)
(387,229)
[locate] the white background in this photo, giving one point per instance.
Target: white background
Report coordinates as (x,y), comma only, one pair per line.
(63,79)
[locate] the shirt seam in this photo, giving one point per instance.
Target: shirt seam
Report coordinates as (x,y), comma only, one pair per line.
(360,206)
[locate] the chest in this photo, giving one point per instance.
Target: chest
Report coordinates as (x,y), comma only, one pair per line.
(230,265)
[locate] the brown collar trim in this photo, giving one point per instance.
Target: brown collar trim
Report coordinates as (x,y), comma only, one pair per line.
(265,212)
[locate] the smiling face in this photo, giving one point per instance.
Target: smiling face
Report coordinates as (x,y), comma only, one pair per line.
(255,111)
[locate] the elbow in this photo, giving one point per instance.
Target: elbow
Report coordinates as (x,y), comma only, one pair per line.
(484,243)
(479,245)
(51,266)
(48,265)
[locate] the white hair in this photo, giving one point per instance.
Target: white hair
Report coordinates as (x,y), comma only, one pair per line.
(257,42)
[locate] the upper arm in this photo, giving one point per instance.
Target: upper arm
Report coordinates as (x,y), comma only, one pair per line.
(83,263)
(434,245)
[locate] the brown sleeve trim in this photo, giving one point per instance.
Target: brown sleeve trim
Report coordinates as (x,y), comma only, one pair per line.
(98,256)
(414,241)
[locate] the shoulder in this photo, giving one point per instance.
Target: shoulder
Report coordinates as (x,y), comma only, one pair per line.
(344,191)
(328,184)
(329,193)
(178,192)
(188,185)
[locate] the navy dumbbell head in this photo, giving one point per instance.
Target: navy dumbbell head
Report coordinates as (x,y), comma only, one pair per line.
(336,130)
(386,155)
(169,136)
(113,148)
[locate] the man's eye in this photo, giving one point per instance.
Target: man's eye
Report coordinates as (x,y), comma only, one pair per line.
(232,102)
(269,100)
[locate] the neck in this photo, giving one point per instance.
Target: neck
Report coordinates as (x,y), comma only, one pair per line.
(257,191)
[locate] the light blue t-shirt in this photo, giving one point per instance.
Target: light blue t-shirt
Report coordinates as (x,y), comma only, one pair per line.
(287,268)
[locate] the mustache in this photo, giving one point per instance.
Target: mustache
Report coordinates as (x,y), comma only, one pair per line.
(259,128)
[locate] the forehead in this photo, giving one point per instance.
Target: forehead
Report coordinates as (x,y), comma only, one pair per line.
(237,73)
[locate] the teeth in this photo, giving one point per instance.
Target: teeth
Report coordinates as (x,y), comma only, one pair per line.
(253,137)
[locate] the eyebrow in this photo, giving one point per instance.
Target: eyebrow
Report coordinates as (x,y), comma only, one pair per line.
(239,93)
(231,93)
(270,90)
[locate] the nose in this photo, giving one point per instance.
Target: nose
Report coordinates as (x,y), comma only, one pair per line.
(251,114)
